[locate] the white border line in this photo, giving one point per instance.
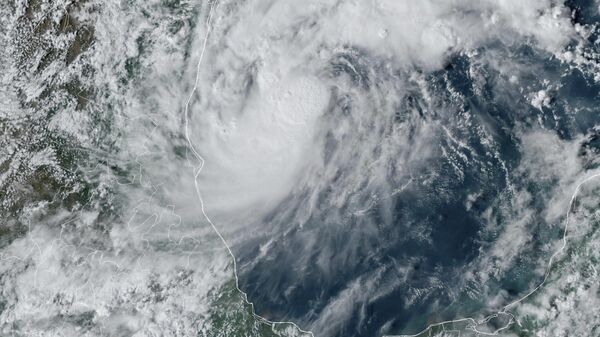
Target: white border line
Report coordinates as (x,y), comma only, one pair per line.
(473,322)
(212,5)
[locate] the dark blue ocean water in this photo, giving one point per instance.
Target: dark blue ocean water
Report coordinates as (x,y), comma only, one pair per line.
(425,237)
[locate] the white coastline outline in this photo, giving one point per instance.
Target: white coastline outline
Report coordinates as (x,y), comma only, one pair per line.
(473,321)
(212,5)
(503,311)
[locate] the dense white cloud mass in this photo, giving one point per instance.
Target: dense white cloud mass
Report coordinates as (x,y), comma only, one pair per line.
(260,120)
(343,157)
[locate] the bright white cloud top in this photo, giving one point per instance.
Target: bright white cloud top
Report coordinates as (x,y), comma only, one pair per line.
(375,166)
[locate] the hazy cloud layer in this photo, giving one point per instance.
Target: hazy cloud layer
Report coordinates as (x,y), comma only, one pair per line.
(333,132)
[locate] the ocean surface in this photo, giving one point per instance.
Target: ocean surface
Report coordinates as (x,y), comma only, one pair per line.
(283,168)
